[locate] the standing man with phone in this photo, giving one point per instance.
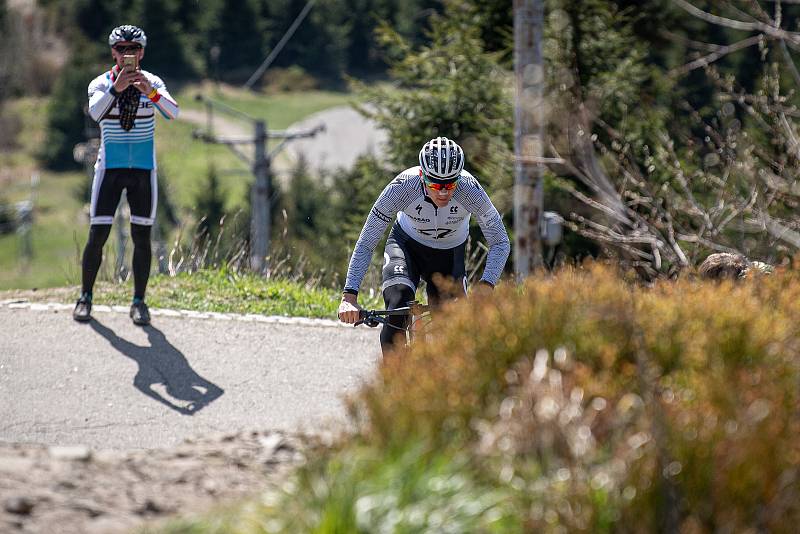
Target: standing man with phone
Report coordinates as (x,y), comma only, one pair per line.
(124,101)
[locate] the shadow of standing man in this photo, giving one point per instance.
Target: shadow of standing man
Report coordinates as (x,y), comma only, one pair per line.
(162,363)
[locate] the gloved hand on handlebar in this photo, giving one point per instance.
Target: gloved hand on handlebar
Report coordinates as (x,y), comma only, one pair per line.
(349,308)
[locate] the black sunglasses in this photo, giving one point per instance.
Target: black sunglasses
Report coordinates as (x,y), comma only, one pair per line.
(127,48)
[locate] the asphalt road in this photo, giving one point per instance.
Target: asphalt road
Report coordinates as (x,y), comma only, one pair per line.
(111,385)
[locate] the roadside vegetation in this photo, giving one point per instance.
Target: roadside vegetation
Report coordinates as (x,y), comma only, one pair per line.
(212,290)
(575,402)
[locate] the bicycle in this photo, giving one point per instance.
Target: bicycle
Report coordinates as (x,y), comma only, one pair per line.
(419,313)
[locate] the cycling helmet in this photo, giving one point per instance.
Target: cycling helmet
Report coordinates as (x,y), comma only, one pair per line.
(442,160)
(127,33)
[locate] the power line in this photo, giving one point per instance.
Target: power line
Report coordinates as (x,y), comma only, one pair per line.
(275,51)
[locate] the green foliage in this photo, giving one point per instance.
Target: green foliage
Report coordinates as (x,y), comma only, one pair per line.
(57,225)
(7,217)
(65,111)
(322,216)
(450,87)
(305,226)
(225,291)
(306,203)
(362,490)
(338,36)
(169,53)
(240,38)
(94,19)
(210,205)
(356,190)
(496,21)
(5,59)
(597,61)
(413,489)
(290,79)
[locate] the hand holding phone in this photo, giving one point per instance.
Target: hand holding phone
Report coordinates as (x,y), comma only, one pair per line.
(130,62)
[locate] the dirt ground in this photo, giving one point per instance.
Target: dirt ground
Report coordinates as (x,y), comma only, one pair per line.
(76,490)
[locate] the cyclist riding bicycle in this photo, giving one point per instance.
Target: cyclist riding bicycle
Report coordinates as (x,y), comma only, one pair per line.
(432,203)
(124,101)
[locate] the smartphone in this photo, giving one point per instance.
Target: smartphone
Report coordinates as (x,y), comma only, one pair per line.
(130,62)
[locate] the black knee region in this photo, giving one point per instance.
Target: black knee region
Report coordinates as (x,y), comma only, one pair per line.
(98,235)
(395,296)
(140,235)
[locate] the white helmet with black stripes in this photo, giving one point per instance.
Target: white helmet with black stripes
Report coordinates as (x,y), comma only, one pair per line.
(442,160)
(127,33)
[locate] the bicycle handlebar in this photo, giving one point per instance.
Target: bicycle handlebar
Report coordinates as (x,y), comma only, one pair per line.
(373,318)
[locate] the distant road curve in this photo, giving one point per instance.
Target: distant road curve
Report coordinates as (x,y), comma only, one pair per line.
(347,136)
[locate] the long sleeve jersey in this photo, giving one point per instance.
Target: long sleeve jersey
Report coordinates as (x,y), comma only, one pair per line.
(435,227)
(135,148)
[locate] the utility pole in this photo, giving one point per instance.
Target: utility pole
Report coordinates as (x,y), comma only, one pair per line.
(261,217)
(528,135)
(260,164)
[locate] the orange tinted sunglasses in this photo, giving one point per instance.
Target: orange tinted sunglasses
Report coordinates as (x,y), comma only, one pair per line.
(439,187)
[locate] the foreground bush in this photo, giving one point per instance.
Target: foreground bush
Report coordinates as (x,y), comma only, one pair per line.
(578,402)
(612,407)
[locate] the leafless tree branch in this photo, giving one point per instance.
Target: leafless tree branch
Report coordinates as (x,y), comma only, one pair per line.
(721,52)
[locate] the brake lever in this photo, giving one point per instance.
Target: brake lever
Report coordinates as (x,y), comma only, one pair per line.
(369,321)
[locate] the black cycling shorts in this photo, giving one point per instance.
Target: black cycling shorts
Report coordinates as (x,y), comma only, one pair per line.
(140,188)
(406,260)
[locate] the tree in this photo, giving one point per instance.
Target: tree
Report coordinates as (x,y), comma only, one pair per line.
(598,77)
(690,180)
(6,72)
(96,18)
(240,37)
(210,205)
(168,52)
(449,87)
(355,192)
(66,114)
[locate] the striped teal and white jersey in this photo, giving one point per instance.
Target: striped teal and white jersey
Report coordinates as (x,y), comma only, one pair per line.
(440,228)
(134,148)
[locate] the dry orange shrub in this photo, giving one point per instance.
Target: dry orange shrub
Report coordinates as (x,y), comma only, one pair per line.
(685,395)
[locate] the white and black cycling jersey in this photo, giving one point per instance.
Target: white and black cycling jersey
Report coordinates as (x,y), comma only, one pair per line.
(134,148)
(440,228)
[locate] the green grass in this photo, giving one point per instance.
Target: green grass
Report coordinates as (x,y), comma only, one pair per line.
(58,233)
(280,110)
(365,490)
(184,163)
(221,291)
(210,290)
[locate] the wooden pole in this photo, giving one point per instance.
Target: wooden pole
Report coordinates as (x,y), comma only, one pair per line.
(528,135)
(260,219)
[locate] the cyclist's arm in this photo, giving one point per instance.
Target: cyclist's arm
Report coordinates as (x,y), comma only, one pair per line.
(102,97)
(163,101)
(494,231)
(394,198)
